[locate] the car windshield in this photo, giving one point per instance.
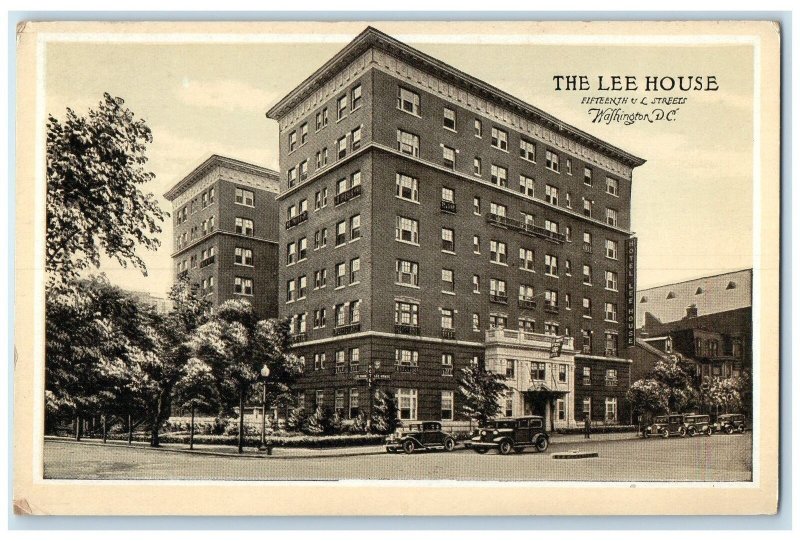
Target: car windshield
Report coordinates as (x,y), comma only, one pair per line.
(660,420)
(501,424)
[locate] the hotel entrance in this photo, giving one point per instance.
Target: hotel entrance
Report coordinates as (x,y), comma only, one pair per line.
(546,402)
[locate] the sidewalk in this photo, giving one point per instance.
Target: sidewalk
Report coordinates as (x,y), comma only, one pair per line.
(300,452)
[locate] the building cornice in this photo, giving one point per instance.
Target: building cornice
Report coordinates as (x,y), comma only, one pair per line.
(205,238)
(372,38)
(378,334)
(579,356)
(213,161)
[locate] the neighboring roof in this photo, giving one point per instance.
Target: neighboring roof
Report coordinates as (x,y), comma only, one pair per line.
(650,349)
(213,161)
(710,294)
(372,37)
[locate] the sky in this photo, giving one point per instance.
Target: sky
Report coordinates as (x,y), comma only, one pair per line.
(692,201)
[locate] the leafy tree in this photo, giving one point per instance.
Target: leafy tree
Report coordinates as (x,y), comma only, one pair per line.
(647,397)
(479,392)
(197,391)
(680,392)
(314,423)
(95,167)
(236,345)
(385,418)
(724,394)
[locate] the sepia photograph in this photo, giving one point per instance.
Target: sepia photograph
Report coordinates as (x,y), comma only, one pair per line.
(397,268)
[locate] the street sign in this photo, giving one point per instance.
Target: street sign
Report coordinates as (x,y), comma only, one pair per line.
(556,346)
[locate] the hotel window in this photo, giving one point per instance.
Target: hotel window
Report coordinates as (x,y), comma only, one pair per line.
(244,197)
(319,318)
(407,404)
(550,265)
(538,371)
(406,357)
(319,364)
(612,186)
(498,321)
(341,272)
(244,227)
(320,199)
(497,252)
(243,256)
(611,345)
(341,107)
(318,125)
(447,405)
(587,275)
(304,133)
(587,307)
(448,240)
(355,270)
(448,195)
(587,407)
(526,259)
(499,139)
(476,244)
(611,249)
(611,217)
(527,150)
(587,341)
(551,161)
(355,227)
(407,272)
(355,179)
(339,315)
(568,234)
(406,187)
(319,159)
(508,407)
(562,373)
(447,318)
(498,210)
(476,283)
(355,98)
(406,313)
(292,177)
(408,143)
(497,288)
(243,286)
(354,408)
(325,156)
(478,127)
(587,207)
(526,325)
(526,185)
(525,292)
(527,219)
(499,175)
(551,226)
(551,298)
(408,101)
(210,196)
(341,233)
(476,322)
(476,205)
(568,200)
(509,367)
(320,278)
(611,280)
(292,141)
(302,287)
(561,409)
(449,157)
(406,230)
(448,285)
(302,249)
(323,242)
(338,400)
(355,311)
(551,194)
(341,147)
(611,311)
(587,176)
(569,166)
(449,120)
(611,410)
(339,360)
(355,139)
(550,328)
(476,166)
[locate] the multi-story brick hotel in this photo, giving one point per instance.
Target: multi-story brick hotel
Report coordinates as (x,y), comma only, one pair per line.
(433,220)
(226,232)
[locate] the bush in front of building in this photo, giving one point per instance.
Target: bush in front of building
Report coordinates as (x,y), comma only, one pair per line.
(598,429)
(288,441)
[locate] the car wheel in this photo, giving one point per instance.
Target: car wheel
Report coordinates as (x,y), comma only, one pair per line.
(682,432)
(449,444)
(408,446)
(741,430)
(481,450)
(646,435)
(729,430)
(665,434)
(709,431)
(505,447)
(690,433)
(541,444)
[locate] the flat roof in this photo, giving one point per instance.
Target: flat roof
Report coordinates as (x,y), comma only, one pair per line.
(215,159)
(372,37)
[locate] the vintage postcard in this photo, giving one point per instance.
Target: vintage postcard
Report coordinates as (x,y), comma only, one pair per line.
(397,268)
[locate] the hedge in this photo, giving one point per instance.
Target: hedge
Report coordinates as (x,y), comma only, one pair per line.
(601,429)
(344,440)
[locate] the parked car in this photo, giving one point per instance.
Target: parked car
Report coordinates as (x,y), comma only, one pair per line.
(666,426)
(425,435)
(730,423)
(697,424)
(506,435)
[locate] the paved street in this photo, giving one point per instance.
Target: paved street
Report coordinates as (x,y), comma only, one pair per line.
(718,458)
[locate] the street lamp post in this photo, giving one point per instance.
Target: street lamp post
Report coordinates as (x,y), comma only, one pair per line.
(263,375)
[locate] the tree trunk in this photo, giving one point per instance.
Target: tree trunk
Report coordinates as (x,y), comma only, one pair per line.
(191,431)
(241,421)
(130,430)
(78,428)
(105,431)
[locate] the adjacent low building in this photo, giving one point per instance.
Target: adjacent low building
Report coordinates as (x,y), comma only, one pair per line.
(225,228)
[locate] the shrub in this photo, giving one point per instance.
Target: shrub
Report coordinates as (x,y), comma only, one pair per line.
(289,441)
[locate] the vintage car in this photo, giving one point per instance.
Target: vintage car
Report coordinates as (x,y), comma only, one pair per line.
(697,425)
(730,423)
(424,435)
(510,434)
(666,426)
